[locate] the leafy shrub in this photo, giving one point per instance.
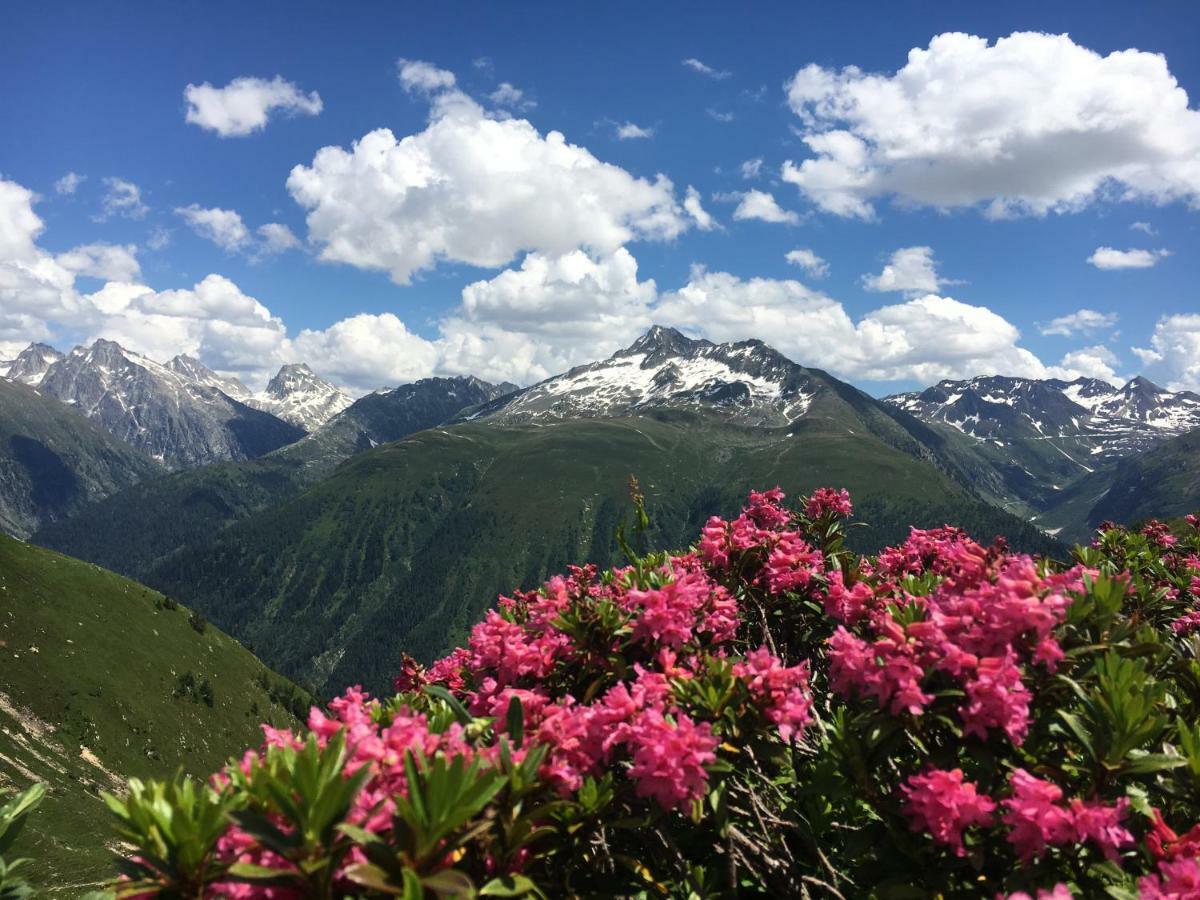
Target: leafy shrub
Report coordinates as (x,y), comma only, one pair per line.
(767,714)
(198,622)
(12,819)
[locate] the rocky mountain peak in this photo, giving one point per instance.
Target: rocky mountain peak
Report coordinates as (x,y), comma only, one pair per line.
(747,381)
(31,364)
(298,395)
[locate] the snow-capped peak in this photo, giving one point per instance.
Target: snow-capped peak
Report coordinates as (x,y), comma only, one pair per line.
(297,395)
(664,368)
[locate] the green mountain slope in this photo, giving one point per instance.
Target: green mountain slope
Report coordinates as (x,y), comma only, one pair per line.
(1161,483)
(100,679)
(404,546)
(53,461)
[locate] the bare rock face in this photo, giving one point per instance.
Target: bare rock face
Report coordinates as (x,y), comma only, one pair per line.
(173,417)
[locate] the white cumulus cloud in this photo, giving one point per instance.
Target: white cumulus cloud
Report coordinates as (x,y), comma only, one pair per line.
(110,262)
(1082,321)
(911,270)
(1031,124)
(1173,356)
(69,183)
(1109,258)
(245,104)
(628,131)
(761,205)
(473,189)
(697,66)
(224,227)
(808,261)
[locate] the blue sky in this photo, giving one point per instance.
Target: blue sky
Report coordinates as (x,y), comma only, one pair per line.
(99,91)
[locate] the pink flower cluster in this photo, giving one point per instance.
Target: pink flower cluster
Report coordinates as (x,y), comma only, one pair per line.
(988,615)
(943,804)
(1039,819)
(783,691)
(829,502)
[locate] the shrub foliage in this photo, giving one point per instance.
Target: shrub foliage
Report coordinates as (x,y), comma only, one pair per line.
(766,714)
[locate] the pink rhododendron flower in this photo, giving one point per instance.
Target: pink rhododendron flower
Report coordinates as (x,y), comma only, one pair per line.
(669,758)
(1059,892)
(1164,843)
(1036,816)
(942,803)
(1177,879)
(996,698)
(1101,825)
(827,501)
(782,690)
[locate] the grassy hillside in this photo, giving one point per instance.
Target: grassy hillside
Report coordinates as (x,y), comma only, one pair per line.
(54,461)
(405,545)
(102,678)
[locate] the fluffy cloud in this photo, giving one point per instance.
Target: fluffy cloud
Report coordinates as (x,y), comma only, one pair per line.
(417,76)
(694,208)
(245,104)
(1173,356)
(511,97)
(1091,362)
(1144,228)
(762,206)
(121,198)
(1031,124)
(808,261)
(923,339)
(365,352)
(110,262)
(697,66)
(628,131)
(69,183)
(721,116)
(1108,258)
(911,270)
(472,189)
(224,227)
(277,238)
(1083,321)
(554,312)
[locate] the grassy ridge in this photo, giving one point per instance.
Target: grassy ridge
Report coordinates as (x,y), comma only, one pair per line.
(100,679)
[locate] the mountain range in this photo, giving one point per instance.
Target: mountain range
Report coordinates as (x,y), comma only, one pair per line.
(397,520)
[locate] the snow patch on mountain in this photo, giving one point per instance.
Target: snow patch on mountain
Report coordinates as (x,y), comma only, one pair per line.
(748,381)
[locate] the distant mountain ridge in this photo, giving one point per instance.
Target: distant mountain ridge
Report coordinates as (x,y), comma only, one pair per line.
(1108,421)
(175,418)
